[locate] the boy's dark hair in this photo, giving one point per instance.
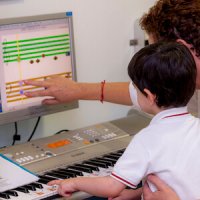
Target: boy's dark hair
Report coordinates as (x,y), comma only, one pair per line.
(168,70)
(174,19)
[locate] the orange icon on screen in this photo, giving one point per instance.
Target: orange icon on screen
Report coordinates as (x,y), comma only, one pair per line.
(59,143)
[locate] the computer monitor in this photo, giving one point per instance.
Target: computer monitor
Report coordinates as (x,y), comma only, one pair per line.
(38,48)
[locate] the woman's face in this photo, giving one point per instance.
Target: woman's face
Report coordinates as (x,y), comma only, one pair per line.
(197,61)
(151,39)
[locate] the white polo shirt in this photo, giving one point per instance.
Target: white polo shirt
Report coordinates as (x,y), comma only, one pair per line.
(169,148)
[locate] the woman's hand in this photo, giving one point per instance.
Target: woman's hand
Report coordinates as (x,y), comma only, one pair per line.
(57,90)
(165,192)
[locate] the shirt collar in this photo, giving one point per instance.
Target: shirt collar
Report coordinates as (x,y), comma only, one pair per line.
(170,113)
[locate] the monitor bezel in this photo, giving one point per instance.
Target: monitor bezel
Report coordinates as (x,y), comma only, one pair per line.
(41,110)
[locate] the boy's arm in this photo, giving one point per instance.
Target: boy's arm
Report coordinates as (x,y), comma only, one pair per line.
(129,194)
(96,186)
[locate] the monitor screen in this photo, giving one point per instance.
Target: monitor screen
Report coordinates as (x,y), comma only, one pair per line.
(37,48)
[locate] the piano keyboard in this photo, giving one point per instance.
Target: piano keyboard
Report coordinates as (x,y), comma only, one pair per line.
(90,151)
(99,166)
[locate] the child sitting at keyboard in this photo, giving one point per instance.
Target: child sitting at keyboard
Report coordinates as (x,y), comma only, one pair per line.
(164,76)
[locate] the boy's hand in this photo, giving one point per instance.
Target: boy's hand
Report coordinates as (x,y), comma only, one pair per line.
(65,187)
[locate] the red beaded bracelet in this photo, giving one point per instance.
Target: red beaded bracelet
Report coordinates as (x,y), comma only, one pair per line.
(102,91)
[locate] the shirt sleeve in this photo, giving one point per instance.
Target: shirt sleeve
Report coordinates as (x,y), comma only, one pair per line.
(132,166)
(133,95)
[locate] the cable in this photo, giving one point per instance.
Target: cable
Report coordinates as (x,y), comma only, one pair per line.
(64,130)
(16,136)
(33,132)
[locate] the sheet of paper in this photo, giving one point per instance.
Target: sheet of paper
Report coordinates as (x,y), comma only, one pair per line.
(13,175)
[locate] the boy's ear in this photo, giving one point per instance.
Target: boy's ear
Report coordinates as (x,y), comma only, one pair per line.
(151,97)
(184,43)
(189,46)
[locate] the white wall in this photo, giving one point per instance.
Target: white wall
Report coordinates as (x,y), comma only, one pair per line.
(102,30)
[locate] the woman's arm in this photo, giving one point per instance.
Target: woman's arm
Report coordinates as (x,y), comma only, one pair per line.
(63,90)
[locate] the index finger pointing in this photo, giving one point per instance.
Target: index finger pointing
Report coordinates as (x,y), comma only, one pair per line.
(36,83)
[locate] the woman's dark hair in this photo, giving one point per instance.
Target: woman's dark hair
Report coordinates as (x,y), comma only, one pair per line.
(168,70)
(174,19)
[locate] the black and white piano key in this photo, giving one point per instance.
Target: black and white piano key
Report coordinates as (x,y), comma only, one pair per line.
(4,195)
(56,175)
(64,174)
(45,192)
(46,177)
(110,161)
(100,166)
(111,157)
(93,168)
(80,168)
(70,174)
(37,185)
(118,155)
(78,173)
(22,189)
(30,187)
(95,163)
(12,193)
(102,161)
(121,151)
(43,181)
